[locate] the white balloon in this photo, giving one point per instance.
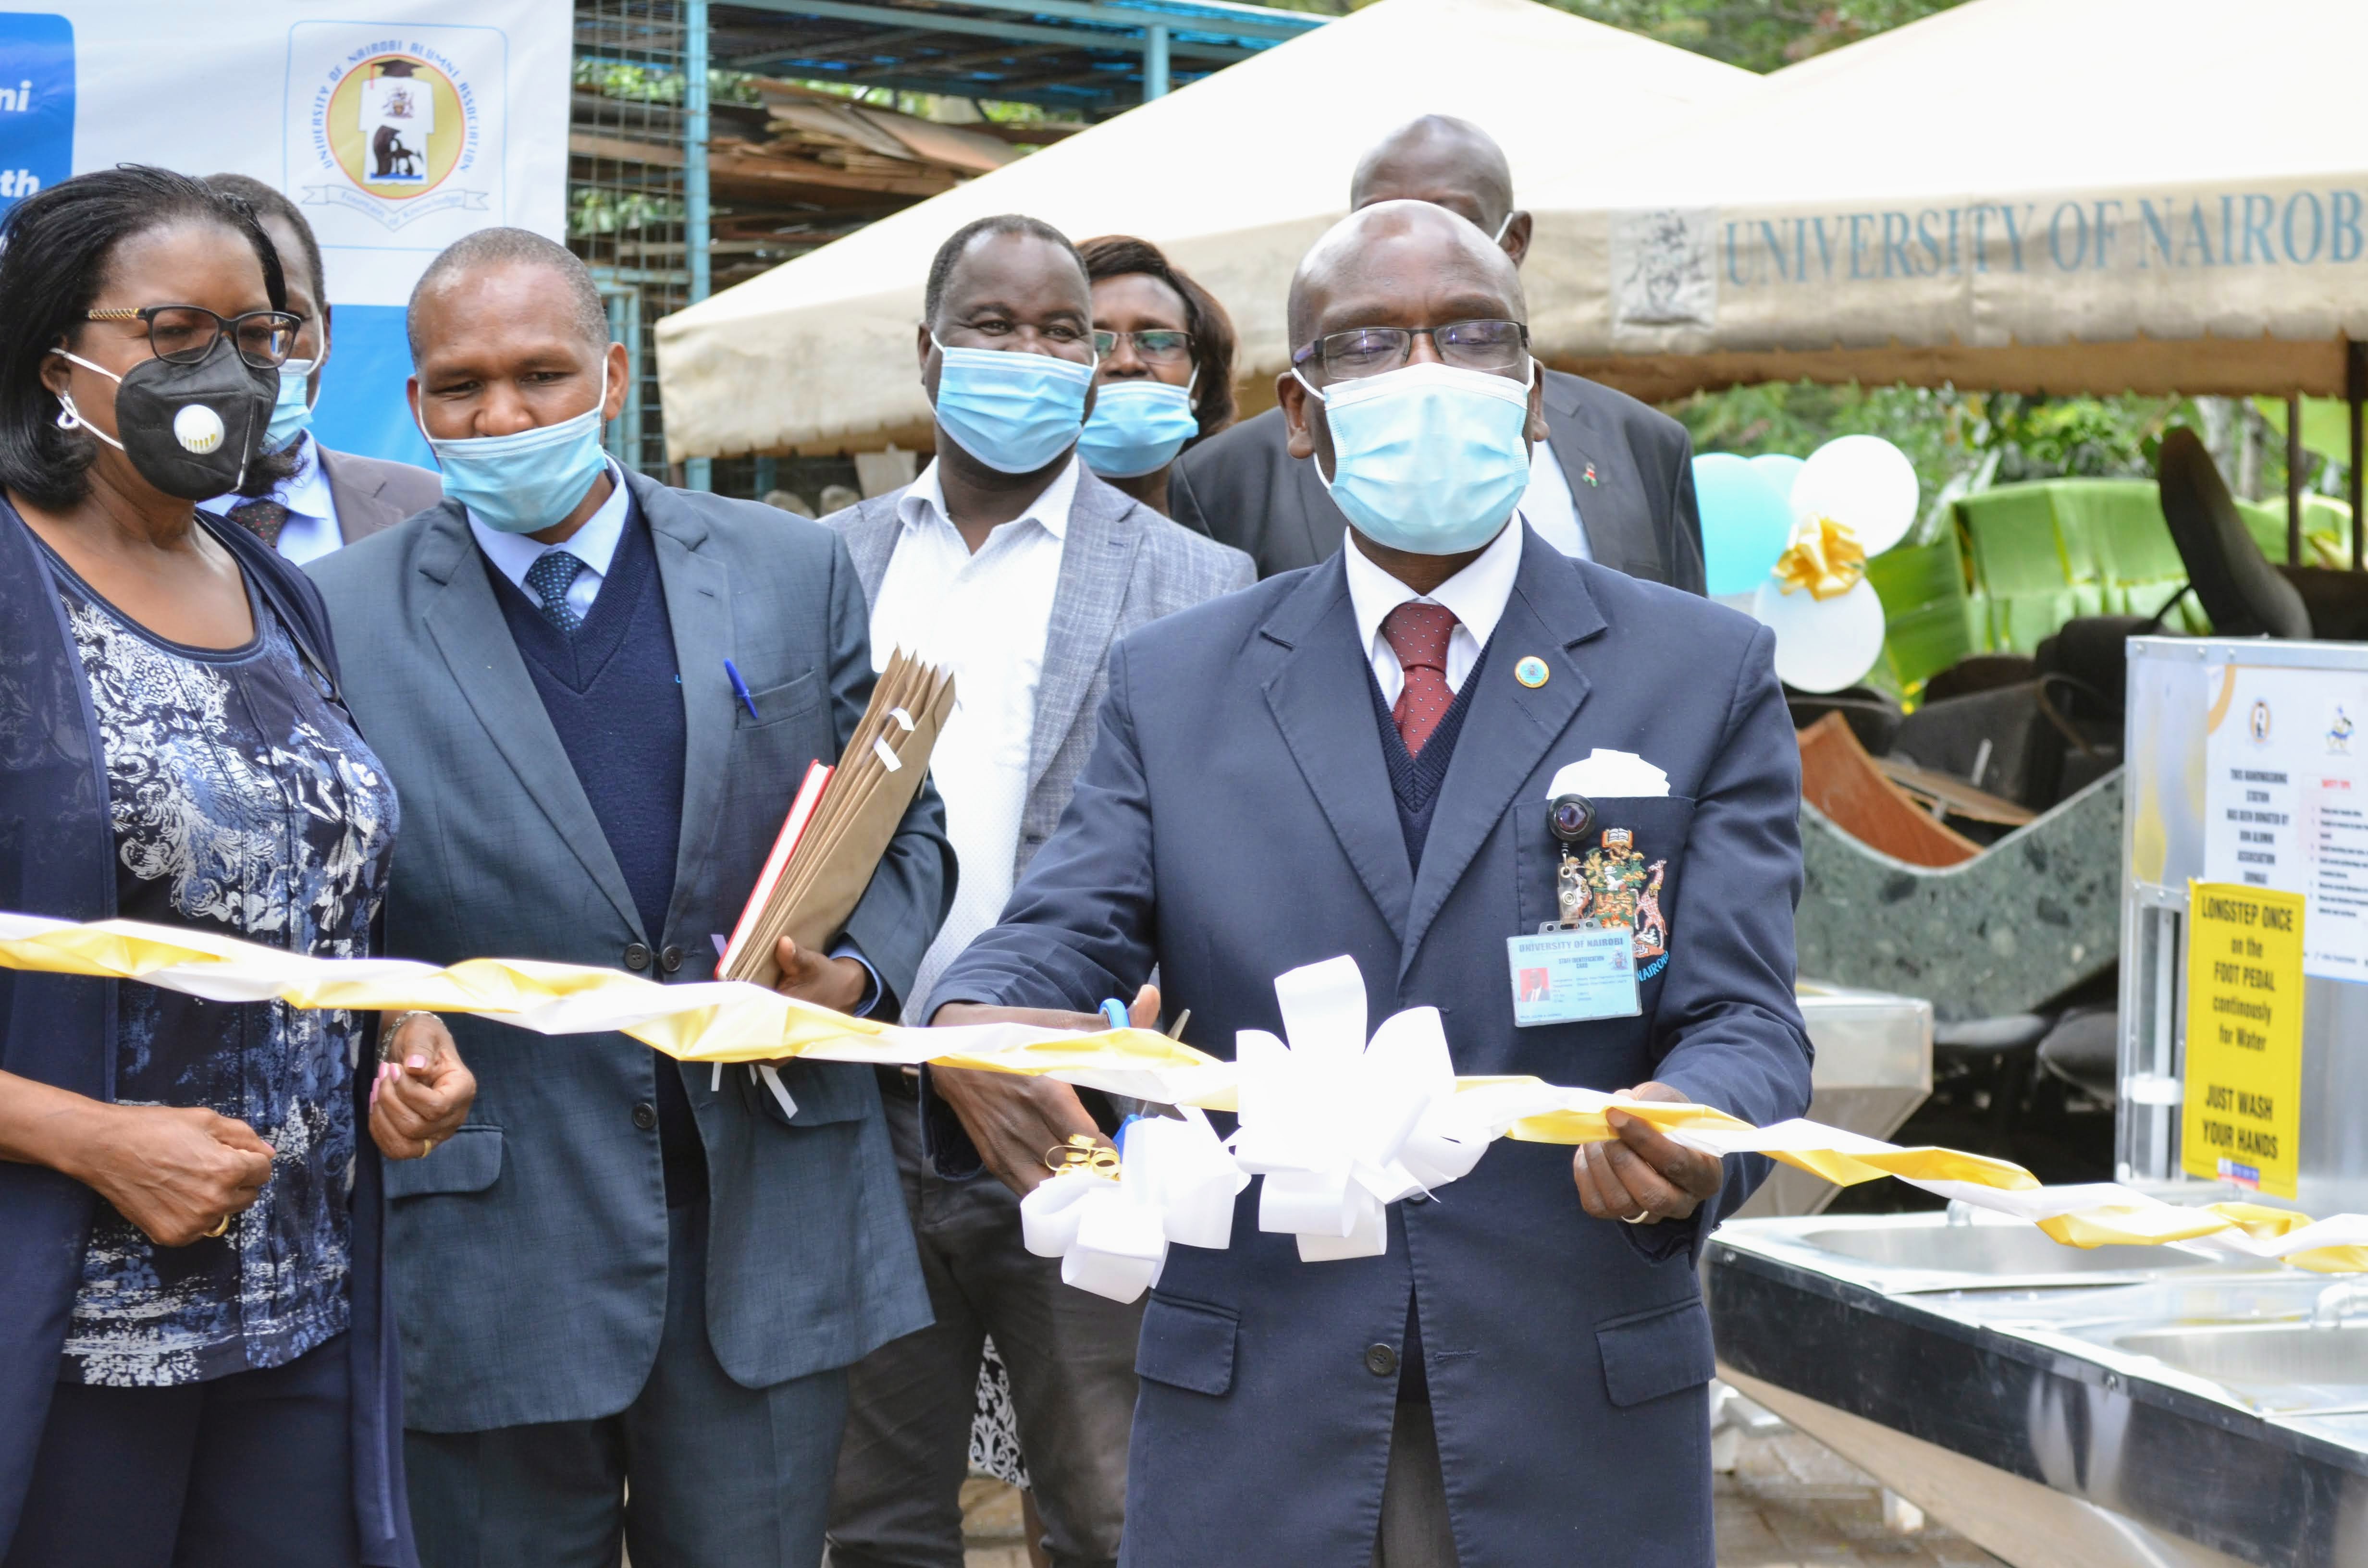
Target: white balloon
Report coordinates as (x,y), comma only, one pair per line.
(1822,644)
(1863,482)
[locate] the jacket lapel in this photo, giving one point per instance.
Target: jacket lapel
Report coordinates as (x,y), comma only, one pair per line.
(698,588)
(1097,562)
(1321,523)
(871,537)
(1321,702)
(358,509)
(465,621)
(1619,528)
(1508,727)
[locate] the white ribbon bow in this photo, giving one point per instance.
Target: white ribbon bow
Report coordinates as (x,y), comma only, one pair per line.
(1176,1183)
(1340,1127)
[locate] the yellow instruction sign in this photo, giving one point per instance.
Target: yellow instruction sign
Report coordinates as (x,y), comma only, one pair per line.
(2242,1117)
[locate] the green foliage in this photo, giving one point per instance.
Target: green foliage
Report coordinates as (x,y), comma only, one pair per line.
(2070,438)
(1759,35)
(1798,417)
(594,210)
(642,83)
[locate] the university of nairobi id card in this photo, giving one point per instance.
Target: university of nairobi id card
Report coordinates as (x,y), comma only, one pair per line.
(1567,977)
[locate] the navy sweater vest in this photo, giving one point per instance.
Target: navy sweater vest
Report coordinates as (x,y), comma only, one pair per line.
(1413,784)
(1415,780)
(615,697)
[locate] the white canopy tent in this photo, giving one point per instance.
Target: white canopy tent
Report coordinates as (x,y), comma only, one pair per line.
(2095,195)
(1234,176)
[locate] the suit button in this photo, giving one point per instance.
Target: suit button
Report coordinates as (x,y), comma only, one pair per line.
(1381,1360)
(637,957)
(645,1116)
(670,960)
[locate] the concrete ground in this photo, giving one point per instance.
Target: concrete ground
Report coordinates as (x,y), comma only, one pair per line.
(1791,1503)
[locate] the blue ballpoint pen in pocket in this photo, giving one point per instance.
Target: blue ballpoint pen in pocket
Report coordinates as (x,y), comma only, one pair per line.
(740,687)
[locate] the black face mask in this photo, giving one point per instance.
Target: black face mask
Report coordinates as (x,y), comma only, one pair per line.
(189,429)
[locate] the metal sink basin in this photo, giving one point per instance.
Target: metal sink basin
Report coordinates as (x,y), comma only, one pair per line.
(2018,1251)
(2293,1358)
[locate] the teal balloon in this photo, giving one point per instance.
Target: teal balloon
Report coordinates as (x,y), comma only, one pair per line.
(1746,523)
(1780,469)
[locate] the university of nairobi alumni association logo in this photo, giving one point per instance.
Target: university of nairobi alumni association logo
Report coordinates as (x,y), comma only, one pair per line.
(394,124)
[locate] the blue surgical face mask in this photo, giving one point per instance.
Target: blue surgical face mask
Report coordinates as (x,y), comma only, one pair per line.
(1431,459)
(530,482)
(293,412)
(1138,427)
(1012,410)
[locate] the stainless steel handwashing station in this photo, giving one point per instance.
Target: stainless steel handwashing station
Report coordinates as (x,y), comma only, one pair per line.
(2134,1405)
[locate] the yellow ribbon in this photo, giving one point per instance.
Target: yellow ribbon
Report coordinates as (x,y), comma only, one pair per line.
(729,1021)
(1824,557)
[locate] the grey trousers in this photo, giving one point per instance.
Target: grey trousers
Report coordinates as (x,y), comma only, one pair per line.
(1071,1358)
(1414,1530)
(697,1473)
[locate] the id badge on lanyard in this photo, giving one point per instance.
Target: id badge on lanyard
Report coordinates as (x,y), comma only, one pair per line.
(1583,965)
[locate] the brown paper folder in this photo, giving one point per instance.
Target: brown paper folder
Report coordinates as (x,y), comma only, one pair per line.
(867,797)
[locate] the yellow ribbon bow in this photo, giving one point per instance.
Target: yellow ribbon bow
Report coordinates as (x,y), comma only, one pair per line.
(1824,557)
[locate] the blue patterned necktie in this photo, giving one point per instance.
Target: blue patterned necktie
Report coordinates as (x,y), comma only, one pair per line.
(550,576)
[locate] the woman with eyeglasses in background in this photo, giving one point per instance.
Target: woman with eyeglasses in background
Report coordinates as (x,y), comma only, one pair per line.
(1165,377)
(200,1366)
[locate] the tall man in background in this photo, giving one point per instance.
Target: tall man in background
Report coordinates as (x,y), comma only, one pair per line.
(333,499)
(1008,559)
(628,1289)
(1613,481)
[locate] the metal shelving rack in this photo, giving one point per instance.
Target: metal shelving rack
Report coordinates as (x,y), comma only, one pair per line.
(627,197)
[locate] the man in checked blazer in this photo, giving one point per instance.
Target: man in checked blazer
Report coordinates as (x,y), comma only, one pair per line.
(1010,560)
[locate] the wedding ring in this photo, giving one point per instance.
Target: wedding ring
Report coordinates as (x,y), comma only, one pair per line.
(1636,1219)
(426,1147)
(222,1227)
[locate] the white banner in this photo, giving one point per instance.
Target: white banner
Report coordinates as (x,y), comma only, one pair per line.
(396,126)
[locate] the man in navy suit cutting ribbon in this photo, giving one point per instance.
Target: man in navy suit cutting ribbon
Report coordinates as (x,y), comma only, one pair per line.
(1420,752)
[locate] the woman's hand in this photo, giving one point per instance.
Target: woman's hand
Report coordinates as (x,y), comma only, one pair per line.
(424,1090)
(178,1173)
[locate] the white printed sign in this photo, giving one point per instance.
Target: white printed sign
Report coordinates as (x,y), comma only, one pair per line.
(396,127)
(2286,799)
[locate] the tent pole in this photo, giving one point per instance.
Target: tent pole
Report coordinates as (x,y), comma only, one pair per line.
(2355,387)
(2294,479)
(1154,63)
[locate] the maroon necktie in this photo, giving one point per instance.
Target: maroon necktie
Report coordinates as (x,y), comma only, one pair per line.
(1418,634)
(263,520)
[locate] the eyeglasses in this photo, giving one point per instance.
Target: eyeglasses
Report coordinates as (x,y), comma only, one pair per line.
(1160,346)
(185,334)
(1497,346)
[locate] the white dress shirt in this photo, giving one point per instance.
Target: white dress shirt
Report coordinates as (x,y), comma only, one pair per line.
(1477,595)
(310,529)
(988,616)
(1549,506)
(594,544)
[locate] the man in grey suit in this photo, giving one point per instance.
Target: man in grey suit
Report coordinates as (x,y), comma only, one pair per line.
(628,1291)
(1613,482)
(1008,559)
(333,498)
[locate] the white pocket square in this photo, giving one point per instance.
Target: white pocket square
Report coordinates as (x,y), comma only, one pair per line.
(1609,775)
